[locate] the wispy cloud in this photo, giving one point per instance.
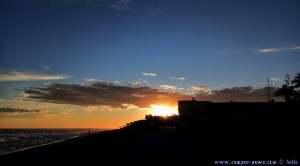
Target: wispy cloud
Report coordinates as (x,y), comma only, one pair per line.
(90,109)
(296,48)
(120,4)
(197,88)
(178,78)
(266,50)
(201,89)
(134,84)
(34,12)
(270,50)
(46,68)
(12,75)
(21,110)
(168,87)
(92,80)
(150,74)
(157,11)
(274,79)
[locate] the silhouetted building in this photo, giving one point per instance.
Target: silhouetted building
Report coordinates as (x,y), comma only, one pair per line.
(192,110)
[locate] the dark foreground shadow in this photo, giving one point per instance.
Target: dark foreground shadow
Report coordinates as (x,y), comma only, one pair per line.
(213,141)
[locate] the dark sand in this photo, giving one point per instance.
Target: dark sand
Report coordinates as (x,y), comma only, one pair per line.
(139,147)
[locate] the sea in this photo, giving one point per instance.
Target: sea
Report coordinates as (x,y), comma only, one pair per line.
(21,139)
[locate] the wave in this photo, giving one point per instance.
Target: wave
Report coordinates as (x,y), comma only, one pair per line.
(22,139)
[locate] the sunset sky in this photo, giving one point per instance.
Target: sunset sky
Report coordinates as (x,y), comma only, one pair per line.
(104,63)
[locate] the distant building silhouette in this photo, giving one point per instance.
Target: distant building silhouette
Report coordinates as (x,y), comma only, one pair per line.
(192,115)
(192,110)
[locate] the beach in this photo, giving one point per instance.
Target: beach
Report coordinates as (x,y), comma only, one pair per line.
(142,147)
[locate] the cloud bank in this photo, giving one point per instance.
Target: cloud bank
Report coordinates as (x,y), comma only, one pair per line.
(239,94)
(102,94)
(20,110)
(12,75)
(116,96)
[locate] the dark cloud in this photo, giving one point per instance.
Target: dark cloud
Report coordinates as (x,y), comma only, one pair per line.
(18,110)
(100,93)
(104,94)
(240,94)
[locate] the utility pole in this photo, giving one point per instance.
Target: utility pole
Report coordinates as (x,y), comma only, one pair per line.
(268,82)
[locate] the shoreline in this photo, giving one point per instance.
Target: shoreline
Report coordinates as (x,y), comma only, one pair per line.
(54,142)
(30,147)
(141,147)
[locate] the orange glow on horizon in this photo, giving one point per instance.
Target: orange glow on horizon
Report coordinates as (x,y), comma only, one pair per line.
(163,110)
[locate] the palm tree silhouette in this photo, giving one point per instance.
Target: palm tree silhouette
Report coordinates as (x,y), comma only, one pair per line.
(285,91)
(290,92)
(296,81)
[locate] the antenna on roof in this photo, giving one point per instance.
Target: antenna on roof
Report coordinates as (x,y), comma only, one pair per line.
(268,88)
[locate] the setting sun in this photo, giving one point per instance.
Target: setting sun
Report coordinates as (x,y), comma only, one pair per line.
(162,110)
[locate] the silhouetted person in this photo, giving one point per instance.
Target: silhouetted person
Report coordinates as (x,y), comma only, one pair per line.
(89,132)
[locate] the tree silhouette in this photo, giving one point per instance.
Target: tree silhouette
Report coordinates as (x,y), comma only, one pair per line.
(289,89)
(296,84)
(286,90)
(296,81)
